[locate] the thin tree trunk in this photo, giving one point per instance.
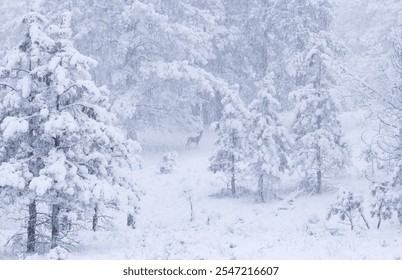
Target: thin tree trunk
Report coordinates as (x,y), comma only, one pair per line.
(233,184)
(31,243)
(232,179)
(319,156)
(319,182)
(55,225)
(351,224)
(319,172)
(261,187)
(55,207)
(191,208)
(95,218)
(365,221)
(379,216)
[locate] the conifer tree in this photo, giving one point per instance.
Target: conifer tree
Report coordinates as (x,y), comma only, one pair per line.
(55,123)
(230,148)
(21,107)
(268,139)
(320,149)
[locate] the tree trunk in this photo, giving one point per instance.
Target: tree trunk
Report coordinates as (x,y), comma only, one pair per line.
(95,218)
(319,156)
(31,243)
(233,184)
(191,208)
(351,223)
(319,172)
(319,182)
(130,220)
(232,179)
(365,221)
(261,187)
(55,225)
(379,216)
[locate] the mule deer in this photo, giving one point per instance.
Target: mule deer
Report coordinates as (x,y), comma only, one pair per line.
(195,140)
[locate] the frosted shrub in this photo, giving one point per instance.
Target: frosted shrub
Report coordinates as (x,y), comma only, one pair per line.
(386,201)
(382,204)
(168,162)
(57,253)
(348,208)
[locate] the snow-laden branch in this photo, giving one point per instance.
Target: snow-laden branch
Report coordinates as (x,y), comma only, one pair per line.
(21,70)
(82,104)
(6,85)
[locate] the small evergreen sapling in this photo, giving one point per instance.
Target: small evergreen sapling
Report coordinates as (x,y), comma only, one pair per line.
(387,198)
(348,207)
(383,203)
(168,162)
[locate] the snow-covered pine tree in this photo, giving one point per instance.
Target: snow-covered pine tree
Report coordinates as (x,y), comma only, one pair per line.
(241,52)
(319,149)
(55,124)
(230,148)
(151,85)
(161,87)
(20,114)
(268,140)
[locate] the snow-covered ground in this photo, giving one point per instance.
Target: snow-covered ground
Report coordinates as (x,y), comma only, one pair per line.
(293,227)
